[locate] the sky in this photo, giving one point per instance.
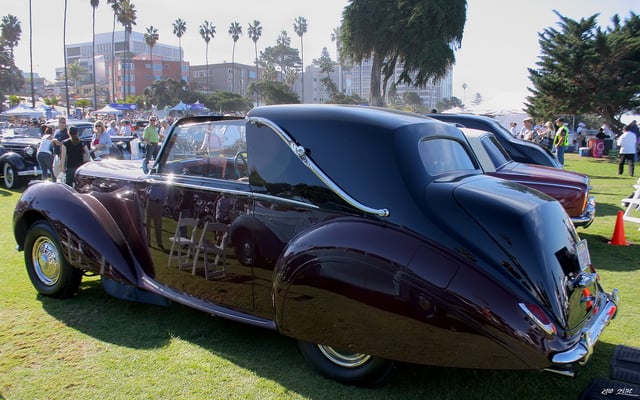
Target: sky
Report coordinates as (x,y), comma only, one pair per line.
(500,38)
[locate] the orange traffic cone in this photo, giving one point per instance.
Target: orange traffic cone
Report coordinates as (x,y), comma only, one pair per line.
(618,232)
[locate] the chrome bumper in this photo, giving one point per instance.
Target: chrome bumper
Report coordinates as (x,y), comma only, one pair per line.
(30,172)
(588,216)
(582,350)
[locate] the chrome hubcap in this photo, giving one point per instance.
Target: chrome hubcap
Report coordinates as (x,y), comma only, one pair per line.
(46,261)
(342,358)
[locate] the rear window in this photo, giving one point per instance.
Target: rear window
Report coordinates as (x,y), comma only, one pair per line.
(442,155)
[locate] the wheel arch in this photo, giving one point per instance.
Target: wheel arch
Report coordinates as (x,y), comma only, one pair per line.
(76,219)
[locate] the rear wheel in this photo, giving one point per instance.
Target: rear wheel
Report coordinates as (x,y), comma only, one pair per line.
(11,178)
(49,271)
(345,366)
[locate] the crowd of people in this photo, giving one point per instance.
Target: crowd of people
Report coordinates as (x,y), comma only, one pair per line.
(61,152)
(557,138)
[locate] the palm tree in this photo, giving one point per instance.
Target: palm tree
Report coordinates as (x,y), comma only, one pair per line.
(75,71)
(127,17)
(151,38)
(64,47)
(115,6)
(300,26)
(33,90)
(179,28)
(255,31)
(235,30)
(207,31)
(94,5)
(11,30)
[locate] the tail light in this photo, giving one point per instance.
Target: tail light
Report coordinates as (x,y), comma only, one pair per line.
(540,318)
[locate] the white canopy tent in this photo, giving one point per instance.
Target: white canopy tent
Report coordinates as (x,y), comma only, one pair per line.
(23,111)
(108,110)
(505,108)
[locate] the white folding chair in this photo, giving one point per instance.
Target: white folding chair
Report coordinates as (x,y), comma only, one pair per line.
(213,241)
(183,241)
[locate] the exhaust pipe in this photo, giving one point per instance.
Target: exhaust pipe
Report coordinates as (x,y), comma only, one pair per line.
(569,373)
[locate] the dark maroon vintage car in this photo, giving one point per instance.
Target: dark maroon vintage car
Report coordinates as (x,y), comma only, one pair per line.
(570,188)
(370,236)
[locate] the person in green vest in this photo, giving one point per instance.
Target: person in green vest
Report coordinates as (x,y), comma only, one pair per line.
(151,139)
(561,140)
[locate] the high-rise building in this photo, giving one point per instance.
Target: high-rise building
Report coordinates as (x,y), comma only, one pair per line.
(166,62)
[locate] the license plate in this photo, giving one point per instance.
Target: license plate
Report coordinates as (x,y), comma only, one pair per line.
(583,254)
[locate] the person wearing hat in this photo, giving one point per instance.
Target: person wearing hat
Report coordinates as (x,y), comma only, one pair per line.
(528,132)
(151,139)
(561,140)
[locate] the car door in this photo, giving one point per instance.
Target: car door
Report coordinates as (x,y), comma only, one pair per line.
(192,199)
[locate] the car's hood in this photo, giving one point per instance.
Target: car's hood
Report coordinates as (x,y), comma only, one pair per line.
(515,171)
(536,245)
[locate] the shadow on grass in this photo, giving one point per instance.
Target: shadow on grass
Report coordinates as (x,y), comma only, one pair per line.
(275,357)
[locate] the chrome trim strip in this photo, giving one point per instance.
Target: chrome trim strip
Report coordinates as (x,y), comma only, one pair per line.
(251,195)
(166,292)
(30,172)
(301,153)
(582,350)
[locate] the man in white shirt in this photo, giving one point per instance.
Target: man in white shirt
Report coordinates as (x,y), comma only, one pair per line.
(628,144)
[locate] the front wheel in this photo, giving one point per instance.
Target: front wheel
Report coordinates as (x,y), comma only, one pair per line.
(11,178)
(49,271)
(345,366)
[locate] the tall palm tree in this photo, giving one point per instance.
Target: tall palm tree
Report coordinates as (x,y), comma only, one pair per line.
(207,31)
(64,47)
(335,37)
(11,30)
(33,90)
(127,17)
(151,38)
(115,6)
(300,26)
(235,30)
(255,31)
(94,5)
(179,28)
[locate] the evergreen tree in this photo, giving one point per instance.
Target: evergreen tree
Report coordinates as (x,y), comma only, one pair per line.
(584,69)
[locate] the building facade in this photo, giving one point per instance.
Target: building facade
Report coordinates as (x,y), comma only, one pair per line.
(221,77)
(132,74)
(358,81)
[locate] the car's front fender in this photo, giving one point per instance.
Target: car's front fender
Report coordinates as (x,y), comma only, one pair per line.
(91,229)
(14,159)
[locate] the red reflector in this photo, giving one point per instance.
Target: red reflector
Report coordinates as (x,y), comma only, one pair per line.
(612,311)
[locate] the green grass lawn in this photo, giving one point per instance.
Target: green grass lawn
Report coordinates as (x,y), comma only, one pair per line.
(97,347)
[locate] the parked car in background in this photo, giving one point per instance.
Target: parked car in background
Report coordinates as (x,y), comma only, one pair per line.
(18,162)
(520,150)
(571,189)
(121,145)
(370,236)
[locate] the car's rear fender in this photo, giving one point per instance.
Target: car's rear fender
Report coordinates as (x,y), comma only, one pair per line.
(91,228)
(388,297)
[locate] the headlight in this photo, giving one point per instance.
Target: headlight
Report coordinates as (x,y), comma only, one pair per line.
(29,151)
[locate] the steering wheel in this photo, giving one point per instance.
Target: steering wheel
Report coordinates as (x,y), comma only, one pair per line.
(240,164)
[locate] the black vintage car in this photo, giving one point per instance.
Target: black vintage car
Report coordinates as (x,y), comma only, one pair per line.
(370,236)
(521,151)
(18,162)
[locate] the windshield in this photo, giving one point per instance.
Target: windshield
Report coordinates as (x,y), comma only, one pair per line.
(442,155)
(204,148)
